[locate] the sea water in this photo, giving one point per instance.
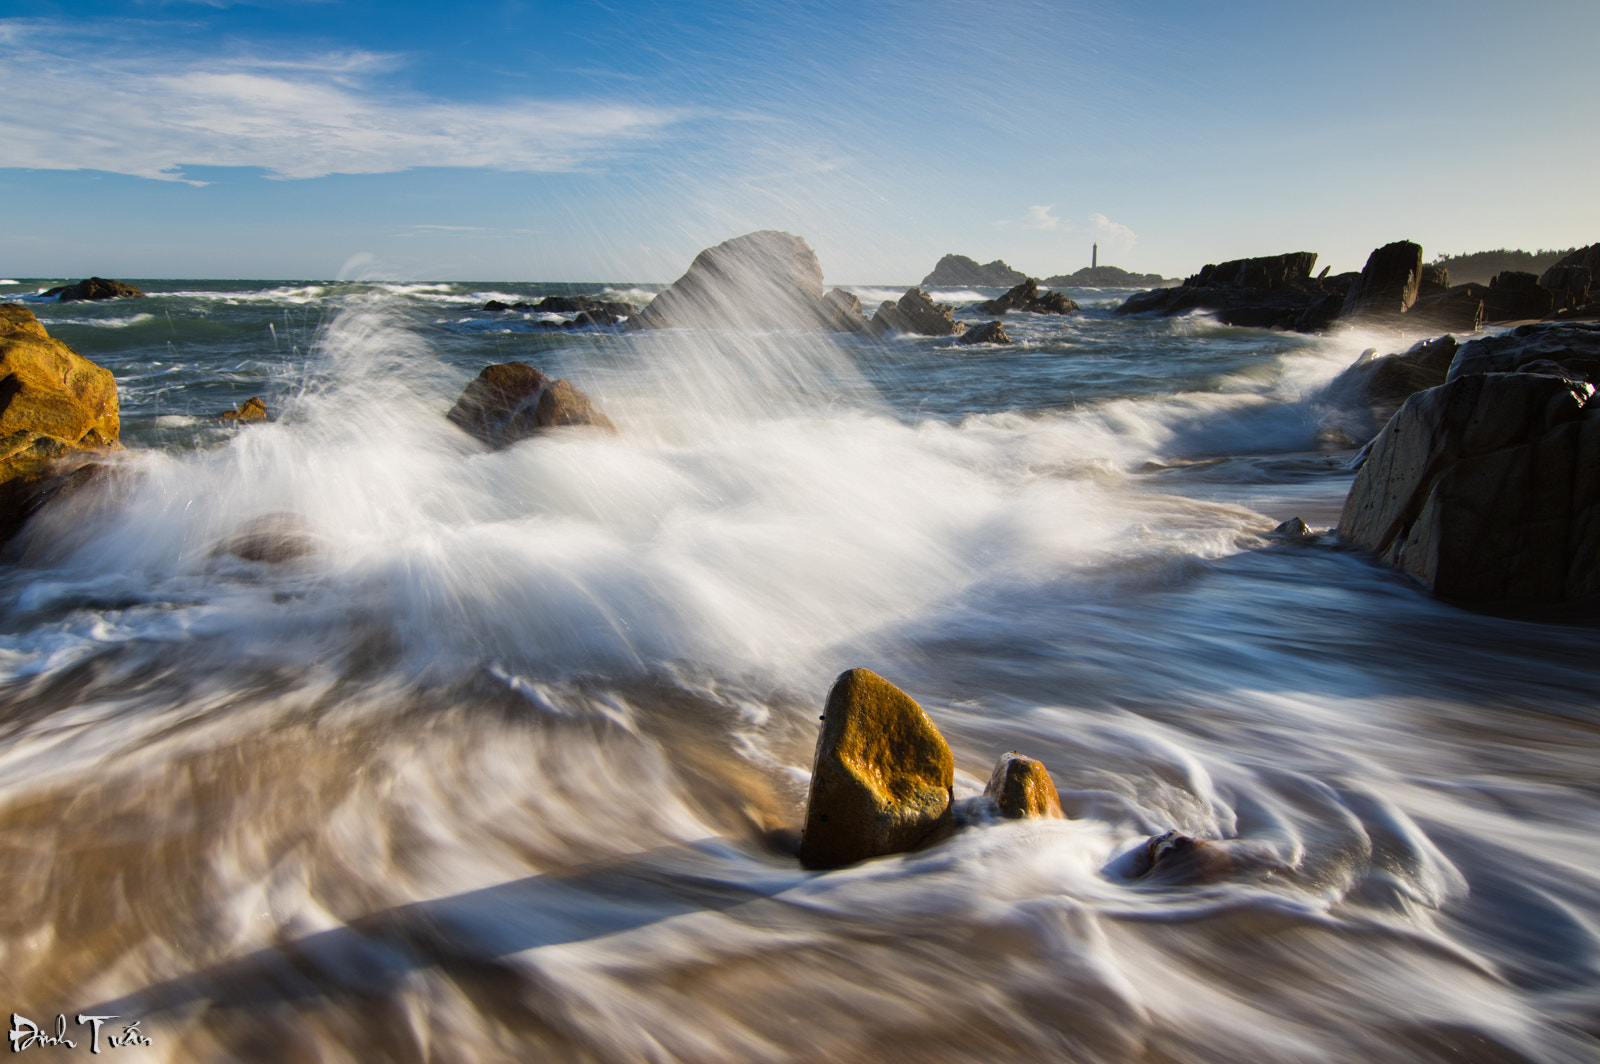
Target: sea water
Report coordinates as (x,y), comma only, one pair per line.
(489,766)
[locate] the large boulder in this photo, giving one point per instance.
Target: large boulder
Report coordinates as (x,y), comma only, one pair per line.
(512,401)
(762,280)
(958,271)
(1457,309)
(1573,277)
(990,332)
(916,312)
(1026,297)
(1388,284)
(93,288)
(1487,489)
(1574,347)
(1383,383)
(882,777)
(1516,296)
(57,409)
(1270,292)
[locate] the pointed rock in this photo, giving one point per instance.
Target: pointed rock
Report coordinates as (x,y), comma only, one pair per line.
(1022,787)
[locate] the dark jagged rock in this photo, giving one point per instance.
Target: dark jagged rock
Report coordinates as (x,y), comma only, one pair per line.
(1106,277)
(1574,346)
(57,411)
(882,776)
(1383,384)
(601,312)
(958,271)
(763,280)
(1021,788)
(1457,309)
(1388,284)
(94,288)
(1272,292)
(842,312)
(512,401)
(1435,281)
(252,409)
(916,313)
(1292,529)
(1026,297)
(1515,296)
(496,306)
(990,332)
(1487,489)
(1572,278)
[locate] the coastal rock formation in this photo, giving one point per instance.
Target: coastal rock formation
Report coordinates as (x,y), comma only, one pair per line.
(1021,787)
(1487,489)
(1382,384)
(586,309)
(1457,309)
(958,271)
(252,409)
(1515,296)
(1569,349)
(92,289)
(882,777)
(916,313)
(1026,297)
(56,407)
(511,401)
(1435,281)
(762,280)
(990,332)
(1272,292)
(1388,283)
(1572,279)
(1175,858)
(1106,277)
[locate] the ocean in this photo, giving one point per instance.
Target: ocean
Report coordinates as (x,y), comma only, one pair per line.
(490,768)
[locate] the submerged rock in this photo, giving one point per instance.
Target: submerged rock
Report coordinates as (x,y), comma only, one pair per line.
(1021,787)
(272,538)
(252,409)
(882,777)
(917,313)
(762,280)
(511,401)
(1487,489)
(990,332)
(1175,858)
(1026,297)
(94,288)
(57,410)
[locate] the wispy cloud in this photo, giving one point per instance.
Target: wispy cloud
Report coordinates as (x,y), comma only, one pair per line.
(1041,218)
(71,108)
(1117,237)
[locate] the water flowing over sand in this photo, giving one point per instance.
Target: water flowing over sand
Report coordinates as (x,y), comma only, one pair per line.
(486,765)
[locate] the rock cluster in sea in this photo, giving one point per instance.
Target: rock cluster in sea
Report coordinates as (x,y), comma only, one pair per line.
(1027,297)
(585,310)
(58,411)
(93,288)
(958,271)
(916,312)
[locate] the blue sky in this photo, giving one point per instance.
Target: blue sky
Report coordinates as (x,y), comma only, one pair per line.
(612,140)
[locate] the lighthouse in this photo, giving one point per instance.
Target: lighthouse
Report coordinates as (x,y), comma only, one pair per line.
(1094,258)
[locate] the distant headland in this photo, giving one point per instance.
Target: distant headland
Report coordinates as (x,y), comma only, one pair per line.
(955,271)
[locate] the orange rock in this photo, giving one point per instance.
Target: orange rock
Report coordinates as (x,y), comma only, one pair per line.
(252,409)
(882,776)
(1021,787)
(511,401)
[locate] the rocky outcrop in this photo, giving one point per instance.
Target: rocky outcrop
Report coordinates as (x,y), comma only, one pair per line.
(1458,309)
(93,289)
(1568,349)
(1487,489)
(990,332)
(1380,385)
(1388,283)
(252,409)
(1517,296)
(762,280)
(586,310)
(1272,292)
(1020,787)
(882,776)
(1026,297)
(1572,279)
(1106,277)
(958,271)
(57,410)
(1435,281)
(916,313)
(512,401)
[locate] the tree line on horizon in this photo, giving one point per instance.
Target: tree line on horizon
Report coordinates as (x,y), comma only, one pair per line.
(1479,267)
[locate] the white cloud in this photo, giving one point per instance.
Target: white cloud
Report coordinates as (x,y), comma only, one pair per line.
(1041,218)
(1117,237)
(151,117)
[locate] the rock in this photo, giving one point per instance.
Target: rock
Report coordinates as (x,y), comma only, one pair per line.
(1575,346)
(882,776)
(916,313)
(1388,284)
(763,280)
(1383,384)
(93,289)
(1572,278)
(1106,277)
(594,316)
(1458,309)
(1176,858)
(1026,297)
(1435,281)
(1272,292)
(958,271)
(252,409)
(1269,272)
(843,313)
(57,409)
(990,332)
(497,306)
(1487,489)
(1515,296)
(1021,787)
(1292,529)
(512,401)
(271,538)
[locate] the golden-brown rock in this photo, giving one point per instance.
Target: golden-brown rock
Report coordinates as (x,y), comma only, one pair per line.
(54,404)
(512,400)
(1022,787)
(882,776)
(252,409)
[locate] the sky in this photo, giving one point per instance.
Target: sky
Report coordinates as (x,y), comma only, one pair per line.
(612,140)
